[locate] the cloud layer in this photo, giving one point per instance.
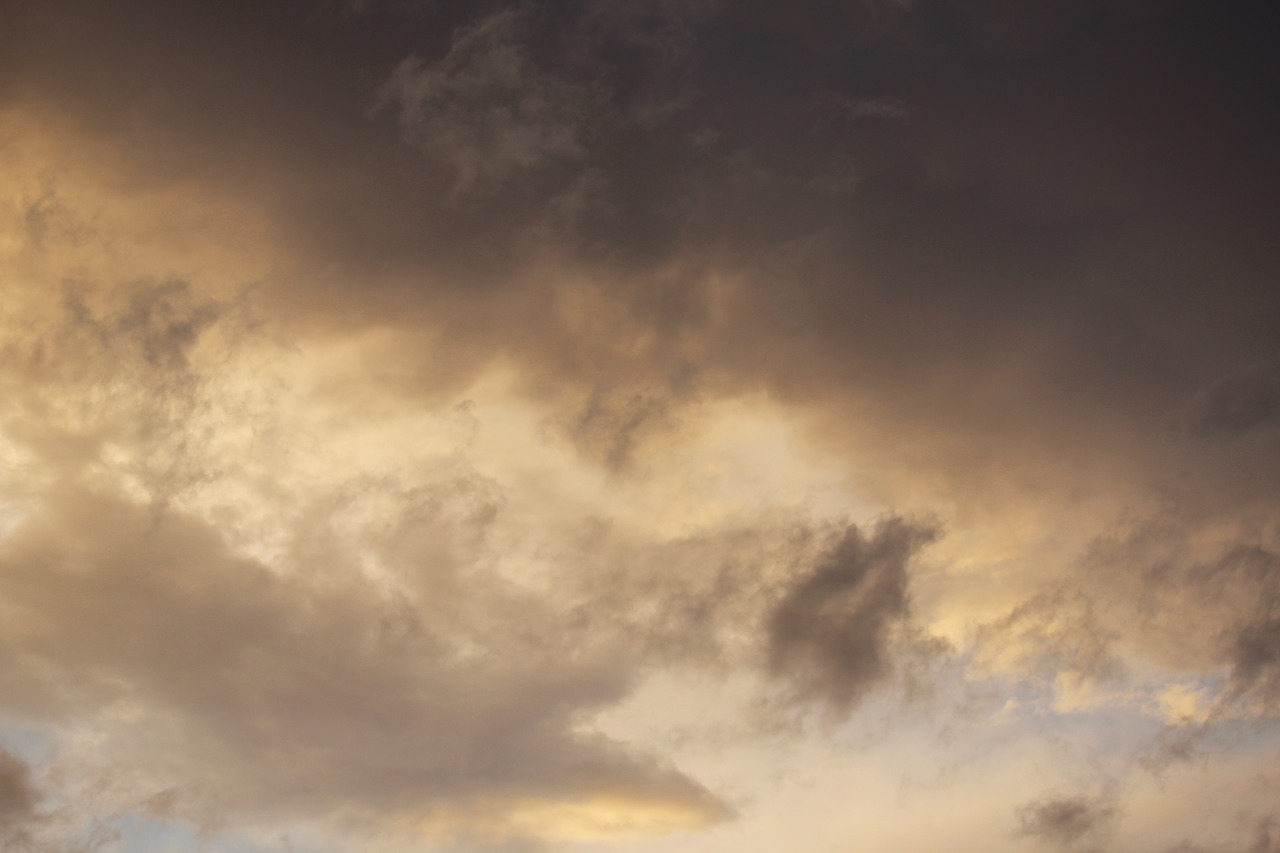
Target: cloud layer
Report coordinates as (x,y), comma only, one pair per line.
(440,425)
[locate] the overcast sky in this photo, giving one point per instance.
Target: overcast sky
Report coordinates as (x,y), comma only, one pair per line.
(663,426)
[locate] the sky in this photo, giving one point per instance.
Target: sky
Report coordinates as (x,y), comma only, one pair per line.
(672,426)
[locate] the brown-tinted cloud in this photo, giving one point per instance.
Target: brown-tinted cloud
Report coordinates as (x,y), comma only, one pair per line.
(1262,839)
(829,634)
(1069,823)
(1195,596)
(1238,403)
(484,112)
(225,661)
(1009,264)
(19,800)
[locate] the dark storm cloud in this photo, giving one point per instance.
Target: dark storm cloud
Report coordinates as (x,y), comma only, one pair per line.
(829,635)
(1069,823)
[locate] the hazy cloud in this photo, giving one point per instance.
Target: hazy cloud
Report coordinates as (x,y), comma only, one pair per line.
(1263,839)
(1069,823)
(1256,660)
(19,800)
(1051,635)
(485,110)
(216,653)
(396,395)
(610,426)
(1238,403)
(829,634)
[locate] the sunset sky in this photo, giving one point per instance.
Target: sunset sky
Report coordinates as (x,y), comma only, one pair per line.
(639,426)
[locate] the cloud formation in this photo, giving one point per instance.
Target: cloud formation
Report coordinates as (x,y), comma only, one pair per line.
(192,658)
(1238,403)
(829,634)
(1068,823)
(425,416)
(484,110)
(1261,840)
(19,800)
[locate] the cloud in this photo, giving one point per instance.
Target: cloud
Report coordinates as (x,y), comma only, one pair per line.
(1255,661)
(1180,593)
(33,819)
(829,634)
(191,664)
(485,110)
(972,265)
(1050,636)
(100,371)
(610,426)
(1263,839)
(1229,592)
(19,801)
(1069,823)
(1238,403)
